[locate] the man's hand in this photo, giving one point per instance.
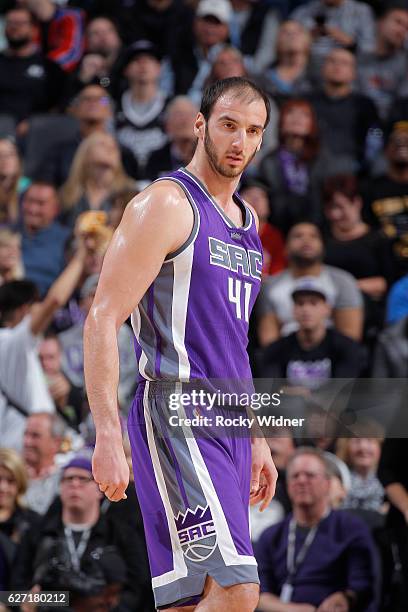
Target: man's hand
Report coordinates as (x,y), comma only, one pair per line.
(31,607)
(334,603)
(110,468)
(59,388)
(263,474)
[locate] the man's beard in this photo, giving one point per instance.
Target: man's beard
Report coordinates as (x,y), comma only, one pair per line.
(18,43)
(222,169)
(302,261)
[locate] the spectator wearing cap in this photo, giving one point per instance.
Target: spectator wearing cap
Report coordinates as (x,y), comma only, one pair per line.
(193,60)
(29,82)
(72,349)
(140,116)
(337,23)
(304,249)
(381,73)
(345,116)
(43,237)
(352,245)
(42,441)
(316,558)
(313,354)
(385,197)
(61,31)
(179,122)
(78,547)
(23,318)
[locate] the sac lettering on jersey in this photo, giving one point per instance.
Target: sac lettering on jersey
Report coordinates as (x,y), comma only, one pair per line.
(235,258)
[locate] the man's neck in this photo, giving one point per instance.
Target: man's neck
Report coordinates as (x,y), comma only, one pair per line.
(310,338)
(220,187)
(26,51)
(398,173)
(363,470)
(337,90)
(309,516)
(384,48)
(87,127)
(87,517)
(294,61)
(144,92)
(5,514)
(39,470)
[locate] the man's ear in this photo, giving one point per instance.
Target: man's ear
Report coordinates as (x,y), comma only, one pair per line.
(199,126)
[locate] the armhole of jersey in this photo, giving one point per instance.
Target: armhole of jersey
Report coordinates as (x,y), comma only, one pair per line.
(196,225)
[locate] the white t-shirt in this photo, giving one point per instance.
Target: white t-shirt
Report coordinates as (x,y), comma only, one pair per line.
(276,294)
(22,379)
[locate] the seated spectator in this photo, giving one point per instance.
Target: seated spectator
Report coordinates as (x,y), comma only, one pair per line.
(273,246)
(93,110)
(362,455)
(391,351)
(61,31)
(397,301)
(12,183)
(100,542)
(72,347)
(96,172)
(11,265)
(316,556)
(282,446)
(22,319)
(15,517)
(179,122)
(139,118)
(304,248)
(193,57)
(313,354)
(29,82)
(337,23)
(394,477)
(385,196)
(382,72)
(253,28)
(228,62)
(287,77)
(345,116)
(120,200)
(354,246)
(43,237)
(294,172)
(67,398)
(42,441)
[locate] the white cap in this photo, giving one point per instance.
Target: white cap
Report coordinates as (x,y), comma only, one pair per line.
(221,9)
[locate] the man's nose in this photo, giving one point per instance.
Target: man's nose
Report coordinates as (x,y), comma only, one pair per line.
(239,139)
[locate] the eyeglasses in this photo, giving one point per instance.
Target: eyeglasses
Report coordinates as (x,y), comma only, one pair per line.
(80,479)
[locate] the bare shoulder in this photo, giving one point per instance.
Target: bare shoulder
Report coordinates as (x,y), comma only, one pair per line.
(162,197)
(252,209)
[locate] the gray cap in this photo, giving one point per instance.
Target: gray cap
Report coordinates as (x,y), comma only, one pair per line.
(310,284)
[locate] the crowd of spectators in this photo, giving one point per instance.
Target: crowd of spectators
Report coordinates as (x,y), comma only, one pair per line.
(97,99)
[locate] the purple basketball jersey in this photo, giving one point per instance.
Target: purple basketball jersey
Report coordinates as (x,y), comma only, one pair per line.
(192,323)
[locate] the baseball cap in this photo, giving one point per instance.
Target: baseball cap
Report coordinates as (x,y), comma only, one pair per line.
(80,461)
(221,9)
(310,284)
(141,47)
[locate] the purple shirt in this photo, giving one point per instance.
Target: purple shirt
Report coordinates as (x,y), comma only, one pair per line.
(341,557)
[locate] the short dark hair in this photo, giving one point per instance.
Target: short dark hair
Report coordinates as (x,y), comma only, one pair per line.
(15,294)
(346,184)
(241,86)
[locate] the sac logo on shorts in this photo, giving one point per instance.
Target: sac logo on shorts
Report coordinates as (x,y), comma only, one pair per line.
(196,533)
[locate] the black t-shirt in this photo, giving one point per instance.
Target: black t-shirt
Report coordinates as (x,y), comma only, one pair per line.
(29,85)
(335,357)
(386,206)
(364,257)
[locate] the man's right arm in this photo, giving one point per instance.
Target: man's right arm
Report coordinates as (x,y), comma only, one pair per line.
(155,223)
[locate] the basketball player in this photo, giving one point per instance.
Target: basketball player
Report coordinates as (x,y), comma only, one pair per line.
(185,263)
